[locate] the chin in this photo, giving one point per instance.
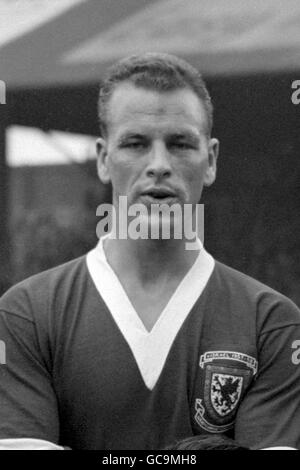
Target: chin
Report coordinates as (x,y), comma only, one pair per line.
(165,228)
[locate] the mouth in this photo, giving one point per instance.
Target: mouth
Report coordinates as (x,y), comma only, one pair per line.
(159,195)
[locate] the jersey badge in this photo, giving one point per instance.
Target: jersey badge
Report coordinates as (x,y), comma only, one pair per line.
(225,378)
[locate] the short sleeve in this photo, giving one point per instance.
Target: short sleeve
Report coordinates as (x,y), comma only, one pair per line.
(28,403)
(269,415)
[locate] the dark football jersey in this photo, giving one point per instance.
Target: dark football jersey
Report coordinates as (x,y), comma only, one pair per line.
(82,371)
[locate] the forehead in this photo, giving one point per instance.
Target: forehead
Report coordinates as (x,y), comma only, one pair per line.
(133,108)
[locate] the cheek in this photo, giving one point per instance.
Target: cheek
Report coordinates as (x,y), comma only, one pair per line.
(192,178)
(193,172)
(122,174)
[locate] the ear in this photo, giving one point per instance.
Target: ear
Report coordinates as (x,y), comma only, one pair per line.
(103,173)
(213,153)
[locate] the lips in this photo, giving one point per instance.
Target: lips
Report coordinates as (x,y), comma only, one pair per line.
(159,193)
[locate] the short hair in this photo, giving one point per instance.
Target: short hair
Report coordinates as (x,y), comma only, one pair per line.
(207,442)
(155,71)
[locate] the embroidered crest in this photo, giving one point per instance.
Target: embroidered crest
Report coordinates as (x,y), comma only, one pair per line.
(225,392)
(223,379)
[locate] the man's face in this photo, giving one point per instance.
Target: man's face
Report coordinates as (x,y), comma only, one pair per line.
(157,150)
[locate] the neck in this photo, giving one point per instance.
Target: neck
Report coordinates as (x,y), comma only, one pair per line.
(149,261)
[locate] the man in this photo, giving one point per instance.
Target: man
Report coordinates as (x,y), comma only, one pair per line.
(142,342)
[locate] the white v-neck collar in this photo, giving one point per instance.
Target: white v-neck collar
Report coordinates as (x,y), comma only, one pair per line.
(149,348)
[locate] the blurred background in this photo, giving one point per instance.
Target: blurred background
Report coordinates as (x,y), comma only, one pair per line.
(53,55)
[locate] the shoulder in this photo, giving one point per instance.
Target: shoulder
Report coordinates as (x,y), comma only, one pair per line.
(272,309)
(36,292)
(230,278)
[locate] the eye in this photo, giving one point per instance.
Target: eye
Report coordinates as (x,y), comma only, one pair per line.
(183,142)
(134,145)
(181,145)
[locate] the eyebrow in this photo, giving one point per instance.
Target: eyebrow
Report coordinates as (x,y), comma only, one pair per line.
(184,135)
(178,135)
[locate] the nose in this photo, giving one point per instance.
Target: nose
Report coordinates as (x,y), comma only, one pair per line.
(159,161)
